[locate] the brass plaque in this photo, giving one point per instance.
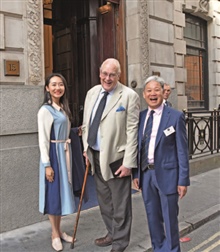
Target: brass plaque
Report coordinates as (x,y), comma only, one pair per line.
(156,73)
(12,68)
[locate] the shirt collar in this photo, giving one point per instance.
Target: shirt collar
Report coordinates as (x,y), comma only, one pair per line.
(158,110)
(110,92)
(56,106)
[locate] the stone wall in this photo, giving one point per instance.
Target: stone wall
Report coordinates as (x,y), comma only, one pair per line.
(19,155)
(21,39)
(155,44)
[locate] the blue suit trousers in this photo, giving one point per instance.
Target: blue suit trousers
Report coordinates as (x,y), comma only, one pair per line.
(162,213)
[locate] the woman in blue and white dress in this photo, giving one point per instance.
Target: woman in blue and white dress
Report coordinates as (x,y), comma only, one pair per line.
(56,195)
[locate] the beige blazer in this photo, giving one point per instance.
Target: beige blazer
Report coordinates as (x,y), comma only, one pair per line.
(118,128)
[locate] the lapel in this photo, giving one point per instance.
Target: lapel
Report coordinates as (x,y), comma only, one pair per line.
(94,97)
(163,122)
(114,100)
(141,127)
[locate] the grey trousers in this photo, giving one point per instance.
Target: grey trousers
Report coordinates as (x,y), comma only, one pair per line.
(114,197)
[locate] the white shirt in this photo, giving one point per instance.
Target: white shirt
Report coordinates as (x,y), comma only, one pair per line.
(156,122)
(97,145)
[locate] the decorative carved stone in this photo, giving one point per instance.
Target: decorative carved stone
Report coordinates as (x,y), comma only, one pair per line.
(203,6)
(144,38)
(34,41)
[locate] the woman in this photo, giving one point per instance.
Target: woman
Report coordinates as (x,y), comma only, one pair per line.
(56,195)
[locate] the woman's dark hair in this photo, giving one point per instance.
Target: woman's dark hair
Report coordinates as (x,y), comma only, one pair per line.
(63,99)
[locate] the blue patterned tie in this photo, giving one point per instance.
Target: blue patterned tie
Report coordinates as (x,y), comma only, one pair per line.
(146,141)
(93,129)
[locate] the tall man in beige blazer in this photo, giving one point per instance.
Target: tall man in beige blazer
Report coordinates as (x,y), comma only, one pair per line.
(114,152)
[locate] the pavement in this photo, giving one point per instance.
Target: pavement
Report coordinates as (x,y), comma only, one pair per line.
(201,204)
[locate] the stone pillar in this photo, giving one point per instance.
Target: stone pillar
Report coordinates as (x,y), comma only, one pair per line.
(179,52)
(35,48)
(137,44)
(214,54)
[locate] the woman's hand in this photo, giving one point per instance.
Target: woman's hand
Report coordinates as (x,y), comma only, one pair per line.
(49,174)
(136,183)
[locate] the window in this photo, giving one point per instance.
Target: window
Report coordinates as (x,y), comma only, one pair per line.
(195,35)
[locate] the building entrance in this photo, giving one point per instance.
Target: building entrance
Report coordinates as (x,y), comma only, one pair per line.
(78,36)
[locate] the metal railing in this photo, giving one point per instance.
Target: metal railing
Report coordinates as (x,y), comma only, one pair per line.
(203,132)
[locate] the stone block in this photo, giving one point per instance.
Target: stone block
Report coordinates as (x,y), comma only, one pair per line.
(173,98)
(216,30)
(217,20)
(2,32)
(182,103)
(178,5)
(132,7)
(19,113)
(167,73)
(179,19)
(180,74)
(134,51)
(163,10)
(143,104)
(14,36)
(151,7)
(179,60)
(216,55)
(179,46)
(19,141)
(217,67)
(161,54)
(13,6)
(180,89)
(19,187)
(204,164)
(134,74)
(215,42)
(133,27)
(161,31)
(217,78)
(178,32)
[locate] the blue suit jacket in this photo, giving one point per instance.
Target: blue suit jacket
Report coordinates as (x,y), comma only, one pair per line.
(171,158)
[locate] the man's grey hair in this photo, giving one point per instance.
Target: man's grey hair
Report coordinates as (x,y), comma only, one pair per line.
(154,78)
(113,61)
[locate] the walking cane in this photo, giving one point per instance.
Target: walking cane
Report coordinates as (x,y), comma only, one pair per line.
(80,204)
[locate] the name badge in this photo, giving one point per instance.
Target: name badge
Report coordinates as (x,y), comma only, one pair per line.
(169,131)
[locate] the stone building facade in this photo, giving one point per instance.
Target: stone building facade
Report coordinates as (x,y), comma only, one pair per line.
(155,44)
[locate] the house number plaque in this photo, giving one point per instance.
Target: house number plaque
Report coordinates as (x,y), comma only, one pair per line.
(12,68)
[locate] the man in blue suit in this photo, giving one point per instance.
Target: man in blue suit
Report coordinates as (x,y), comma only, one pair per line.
(163,175)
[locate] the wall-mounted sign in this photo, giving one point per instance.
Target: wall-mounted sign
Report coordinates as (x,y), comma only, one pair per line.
(156,73)
(12,67)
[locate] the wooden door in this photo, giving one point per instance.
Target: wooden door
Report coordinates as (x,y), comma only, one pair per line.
(111,34)
(64,64)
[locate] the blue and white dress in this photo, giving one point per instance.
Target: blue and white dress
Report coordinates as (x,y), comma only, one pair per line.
(55,198)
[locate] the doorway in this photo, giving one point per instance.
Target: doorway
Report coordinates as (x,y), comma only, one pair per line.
(78,36)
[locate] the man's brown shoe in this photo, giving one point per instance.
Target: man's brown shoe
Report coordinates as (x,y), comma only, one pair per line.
(103,241)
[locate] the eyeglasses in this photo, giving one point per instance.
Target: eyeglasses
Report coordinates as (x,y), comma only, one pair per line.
(111,75)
